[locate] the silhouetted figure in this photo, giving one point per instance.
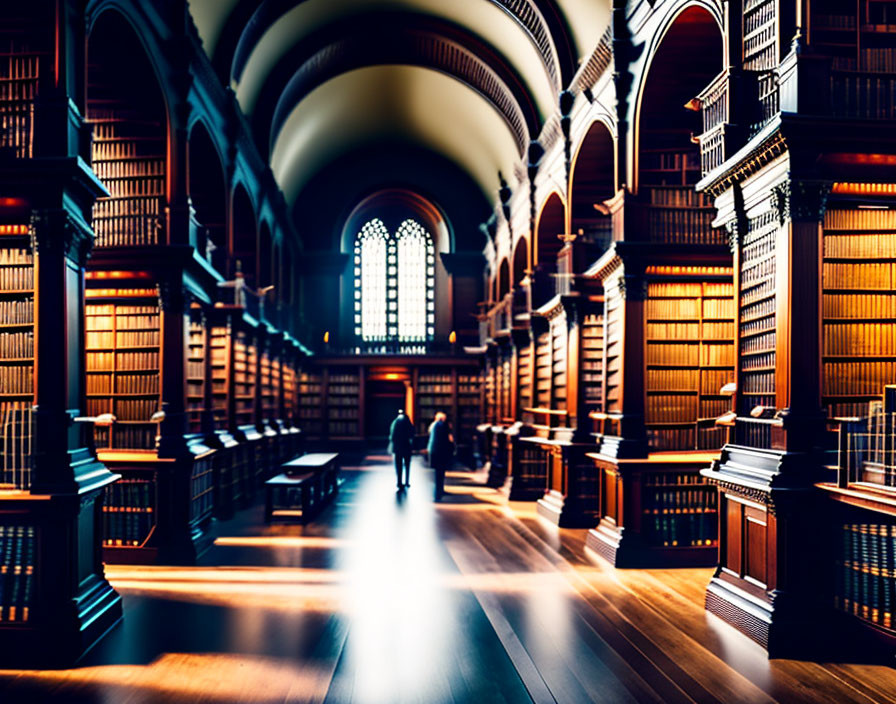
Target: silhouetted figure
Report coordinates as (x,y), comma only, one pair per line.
(401,444)
(441,451)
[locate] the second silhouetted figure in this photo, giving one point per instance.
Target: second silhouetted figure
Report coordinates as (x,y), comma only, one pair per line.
(401,444)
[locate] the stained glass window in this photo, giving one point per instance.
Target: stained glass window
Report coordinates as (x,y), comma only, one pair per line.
(415,274)
(394,298)
(371,247)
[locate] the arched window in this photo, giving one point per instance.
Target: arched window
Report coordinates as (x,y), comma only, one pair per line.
(371,249)
(415,272)
(394,296)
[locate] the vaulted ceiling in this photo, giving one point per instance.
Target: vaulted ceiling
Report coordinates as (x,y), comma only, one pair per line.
(468,81)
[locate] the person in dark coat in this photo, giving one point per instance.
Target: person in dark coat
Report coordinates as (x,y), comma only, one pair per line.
(441,451)
(401,444)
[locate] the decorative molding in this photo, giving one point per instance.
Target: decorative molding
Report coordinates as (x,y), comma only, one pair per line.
(808,200)
(599,61)
(731,227)
(765,152)
(56,230)
(633,287)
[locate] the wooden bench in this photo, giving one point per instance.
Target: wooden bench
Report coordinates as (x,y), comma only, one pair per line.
(306,484)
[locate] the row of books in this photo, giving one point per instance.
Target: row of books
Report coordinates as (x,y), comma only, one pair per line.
(759,383)
(859,305)
(673,354)
(673,479)
(682,226)
(866,578)
(763,342)
(19,312)
(760,291)
(126,437)
(684,197)
(864,275)
(666,408)
(16,444)
(119,160)
(16,345)
(860,339)
(688,438)
(140,338)
(868,222)
(865,378)
(17,564)
(756,311)
(17,379)
(202,484)
(15,278)
(430,388)
(828,21)
(680,500)
(758,362)
(343,389)
(758,326)
(342,413)
(665,309)
(870,97)
(685,530)
(13,256)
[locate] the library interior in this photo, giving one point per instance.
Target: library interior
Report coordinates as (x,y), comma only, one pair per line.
(640,253)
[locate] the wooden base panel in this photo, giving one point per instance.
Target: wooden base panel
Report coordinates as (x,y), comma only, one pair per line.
(554,507)
(621,550)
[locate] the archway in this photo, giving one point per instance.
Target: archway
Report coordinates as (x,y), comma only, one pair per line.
(593,182)
(208,195)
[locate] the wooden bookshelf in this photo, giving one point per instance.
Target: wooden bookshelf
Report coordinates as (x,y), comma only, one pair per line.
(129,158)
(656,511)
(543,366)
(311,397)
(858,307)
(612,362)
(197,349)
(524,374)
(434,394)
(559,354)
(469,411)
(591,366)
(123,365)
(245,376)
(17,326)
(690,348)
(221,349)
(19,80)
(757,355)
(343,411)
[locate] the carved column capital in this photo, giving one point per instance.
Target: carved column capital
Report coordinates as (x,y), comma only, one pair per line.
(633,287)
(800,200)
(54,230)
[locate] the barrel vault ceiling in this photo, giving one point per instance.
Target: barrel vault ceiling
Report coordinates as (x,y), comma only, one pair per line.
(468,80)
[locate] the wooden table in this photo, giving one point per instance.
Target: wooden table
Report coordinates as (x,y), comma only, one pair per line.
(315,477)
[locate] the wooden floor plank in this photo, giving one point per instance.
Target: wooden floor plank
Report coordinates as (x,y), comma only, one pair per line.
(388,598)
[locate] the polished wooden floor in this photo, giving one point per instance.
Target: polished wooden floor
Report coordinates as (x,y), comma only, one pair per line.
(390,598)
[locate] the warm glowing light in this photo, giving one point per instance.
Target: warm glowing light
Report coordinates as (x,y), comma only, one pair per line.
(13,229)
(327,337)
(282,541)
(391,376)
(194,677)
(452,338)
(690,270)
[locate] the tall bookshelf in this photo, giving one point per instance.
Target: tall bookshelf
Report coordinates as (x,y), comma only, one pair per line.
(197,349)
(612,362)
(435,393)
(469,407)
(245,364)
(17,326)
(19,75)
(129,158)
(543,367)
(559,352)
(690,347)
(858,306)
(290,391)
(505,382)
(311,403)
(343,411)
(524,378)
(757,356)
(123,357)
(265,376)
(591,365)
(220,348)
